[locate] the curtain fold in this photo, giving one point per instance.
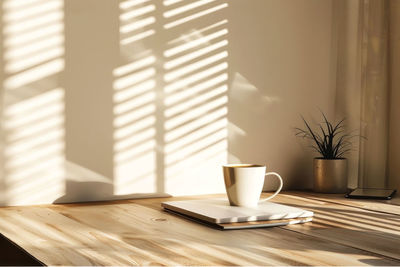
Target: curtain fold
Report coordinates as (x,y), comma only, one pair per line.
(394,81)
(374,120)
(366,52)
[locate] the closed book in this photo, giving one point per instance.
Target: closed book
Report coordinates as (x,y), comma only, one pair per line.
(219,214)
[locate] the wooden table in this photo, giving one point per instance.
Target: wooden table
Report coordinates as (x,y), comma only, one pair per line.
(138,232)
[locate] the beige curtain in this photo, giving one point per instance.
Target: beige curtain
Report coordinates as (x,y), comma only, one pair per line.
(394,66)
(366,55)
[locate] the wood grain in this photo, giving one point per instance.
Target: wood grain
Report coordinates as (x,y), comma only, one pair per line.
(368,230)
(139,232)
(387,206)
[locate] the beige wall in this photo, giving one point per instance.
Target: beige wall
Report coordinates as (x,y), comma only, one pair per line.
(108,99)
(280,55)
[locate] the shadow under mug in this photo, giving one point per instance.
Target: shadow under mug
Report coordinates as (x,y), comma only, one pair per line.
(244,184)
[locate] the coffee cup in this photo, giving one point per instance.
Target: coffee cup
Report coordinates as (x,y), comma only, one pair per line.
(244,184)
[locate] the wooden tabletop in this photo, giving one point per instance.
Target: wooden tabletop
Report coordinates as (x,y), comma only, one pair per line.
(139,232)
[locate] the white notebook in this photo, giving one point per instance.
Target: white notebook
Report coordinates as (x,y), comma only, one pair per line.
(218,211)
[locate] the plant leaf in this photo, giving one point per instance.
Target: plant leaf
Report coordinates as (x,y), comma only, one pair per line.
(312,133)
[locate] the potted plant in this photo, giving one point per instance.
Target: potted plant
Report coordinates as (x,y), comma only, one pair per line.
(332,143)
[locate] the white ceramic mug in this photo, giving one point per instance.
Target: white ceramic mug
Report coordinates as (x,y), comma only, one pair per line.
(244,183)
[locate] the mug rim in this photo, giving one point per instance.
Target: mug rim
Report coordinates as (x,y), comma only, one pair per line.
(244,165)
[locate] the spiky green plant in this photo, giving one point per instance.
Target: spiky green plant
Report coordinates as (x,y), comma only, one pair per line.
(331,142)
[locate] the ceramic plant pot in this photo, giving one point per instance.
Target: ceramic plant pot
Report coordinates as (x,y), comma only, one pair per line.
(330,175)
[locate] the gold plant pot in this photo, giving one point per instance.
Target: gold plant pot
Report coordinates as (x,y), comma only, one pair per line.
(330,175)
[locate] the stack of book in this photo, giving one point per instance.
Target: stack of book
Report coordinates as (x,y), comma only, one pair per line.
(219,214)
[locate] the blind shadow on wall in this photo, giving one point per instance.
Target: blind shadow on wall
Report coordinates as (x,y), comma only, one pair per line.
(113,99)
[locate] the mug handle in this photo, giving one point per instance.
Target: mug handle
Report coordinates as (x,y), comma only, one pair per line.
(278,190)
